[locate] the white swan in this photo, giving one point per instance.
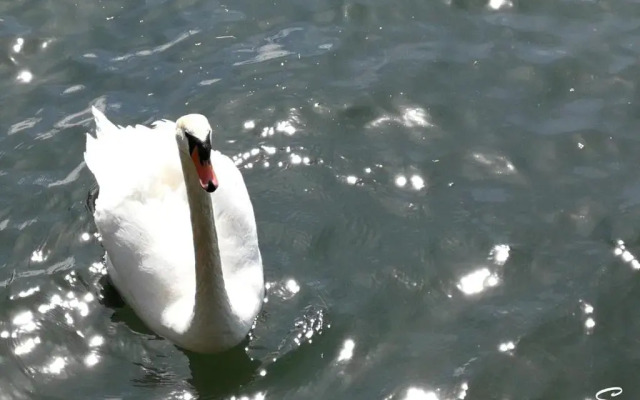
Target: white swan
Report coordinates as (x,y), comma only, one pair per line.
(179,230)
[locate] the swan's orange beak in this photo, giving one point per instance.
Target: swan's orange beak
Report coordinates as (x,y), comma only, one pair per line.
(208,179)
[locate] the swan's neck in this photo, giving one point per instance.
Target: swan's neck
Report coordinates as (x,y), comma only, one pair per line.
(212,309)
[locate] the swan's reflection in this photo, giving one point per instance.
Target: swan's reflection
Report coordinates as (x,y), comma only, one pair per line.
(225,375)
(222,374)
(216,375)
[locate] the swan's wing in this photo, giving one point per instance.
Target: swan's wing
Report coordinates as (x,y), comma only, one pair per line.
(150,249)
(132,162)
(142,213)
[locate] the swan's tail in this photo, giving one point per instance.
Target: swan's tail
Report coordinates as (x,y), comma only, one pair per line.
(129,161)
(92,154)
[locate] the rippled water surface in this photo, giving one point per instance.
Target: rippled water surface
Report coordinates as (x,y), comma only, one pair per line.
(446,194)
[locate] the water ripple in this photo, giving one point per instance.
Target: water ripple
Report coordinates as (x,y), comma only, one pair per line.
(160,48)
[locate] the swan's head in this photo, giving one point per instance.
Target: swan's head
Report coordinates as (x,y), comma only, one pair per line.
(193,134)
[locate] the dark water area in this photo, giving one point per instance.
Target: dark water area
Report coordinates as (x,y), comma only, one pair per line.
(446,194)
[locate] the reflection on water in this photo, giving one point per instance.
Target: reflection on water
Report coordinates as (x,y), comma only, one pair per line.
(410,117)
(625,255)
(500,4)
(416,181)
(414,393)
(347,350)
(477,281)
(27,327)
(507,346)
(483,278)
(24,76)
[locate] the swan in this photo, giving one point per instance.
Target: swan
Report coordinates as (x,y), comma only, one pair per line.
(179,231)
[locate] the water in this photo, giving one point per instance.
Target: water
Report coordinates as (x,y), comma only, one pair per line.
(446,194)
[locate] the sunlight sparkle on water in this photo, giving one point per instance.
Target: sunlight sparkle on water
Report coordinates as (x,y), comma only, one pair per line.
(96,341)
(24,76)
(98,267)
(586,307)
(26,293)
(415,116)
(625,255)
(91,359)
(589,323)
(269,150)
(500,253)
(17,46)
(417,182)
(56,366)
(267,131)
(38,256)
(70,303)
(27,346)
(497,164)
(25,321)
(464,387)
(477,281)
(401,181)
(410,117)
(414,393)
(506,346)
(258,396)
(347,350)
(499,4)
(249,124)
(292,286)
(285,127)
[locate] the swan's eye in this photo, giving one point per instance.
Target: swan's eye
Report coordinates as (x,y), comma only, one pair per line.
(204,151)
(191,140)
(202,147)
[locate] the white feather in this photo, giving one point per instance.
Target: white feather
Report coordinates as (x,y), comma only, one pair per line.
(143,216)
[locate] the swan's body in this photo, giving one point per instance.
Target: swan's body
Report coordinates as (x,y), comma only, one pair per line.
(185,260)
